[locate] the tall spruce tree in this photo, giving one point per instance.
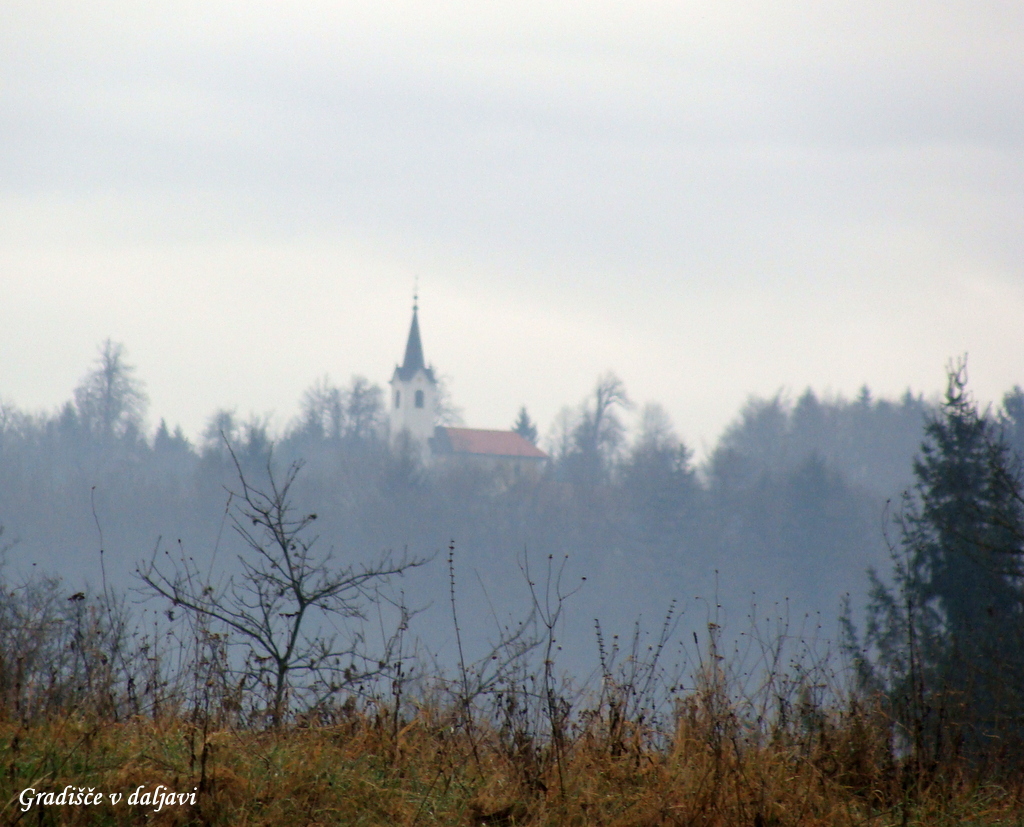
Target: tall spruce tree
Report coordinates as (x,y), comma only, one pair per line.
(946,639)
(525,427)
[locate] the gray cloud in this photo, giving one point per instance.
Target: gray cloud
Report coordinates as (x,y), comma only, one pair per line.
(629,163)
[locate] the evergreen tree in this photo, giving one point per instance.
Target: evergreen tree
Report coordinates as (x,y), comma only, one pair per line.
(659,487)
(947,637)
(525,427)
(1012,420)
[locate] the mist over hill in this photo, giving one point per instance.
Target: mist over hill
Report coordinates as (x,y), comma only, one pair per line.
(783,518)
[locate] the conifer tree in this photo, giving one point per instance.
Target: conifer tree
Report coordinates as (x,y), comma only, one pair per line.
(946,639)
(525,427)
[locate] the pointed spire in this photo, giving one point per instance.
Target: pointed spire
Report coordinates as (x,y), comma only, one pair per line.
(414,347)
(414,360)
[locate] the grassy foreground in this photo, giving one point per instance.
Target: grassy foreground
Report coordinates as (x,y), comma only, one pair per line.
(360,768)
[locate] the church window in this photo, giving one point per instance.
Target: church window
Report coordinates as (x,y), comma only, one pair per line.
(419,399)
(398,398)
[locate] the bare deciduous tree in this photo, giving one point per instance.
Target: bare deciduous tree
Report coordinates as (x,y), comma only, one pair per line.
(322,410)
(110,400)
(277,607)
(364,408)
(586,443)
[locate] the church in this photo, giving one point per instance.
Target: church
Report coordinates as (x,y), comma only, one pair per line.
(413,410)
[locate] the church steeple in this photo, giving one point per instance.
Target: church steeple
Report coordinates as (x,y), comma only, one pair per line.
(413,347)
(413,389)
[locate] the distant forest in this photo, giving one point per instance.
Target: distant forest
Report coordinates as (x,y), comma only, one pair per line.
(784,517)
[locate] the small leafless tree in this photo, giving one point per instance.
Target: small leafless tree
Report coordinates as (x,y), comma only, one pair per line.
(278,607)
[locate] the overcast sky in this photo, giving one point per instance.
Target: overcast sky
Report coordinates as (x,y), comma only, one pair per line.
(710,199)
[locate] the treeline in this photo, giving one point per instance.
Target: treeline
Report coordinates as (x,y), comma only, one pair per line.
(783,517)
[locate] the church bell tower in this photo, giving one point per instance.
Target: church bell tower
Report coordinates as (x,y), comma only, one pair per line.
(412,408)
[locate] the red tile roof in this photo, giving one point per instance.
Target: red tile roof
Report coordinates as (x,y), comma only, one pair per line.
(491,443)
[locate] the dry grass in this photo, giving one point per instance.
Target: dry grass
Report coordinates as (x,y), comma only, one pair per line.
(356,769)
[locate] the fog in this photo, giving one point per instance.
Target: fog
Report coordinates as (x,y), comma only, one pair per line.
(780,522)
